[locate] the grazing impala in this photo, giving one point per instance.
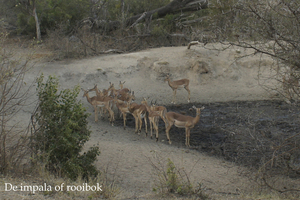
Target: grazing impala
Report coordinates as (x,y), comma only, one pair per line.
(177,84)
(96,102)
(182,121)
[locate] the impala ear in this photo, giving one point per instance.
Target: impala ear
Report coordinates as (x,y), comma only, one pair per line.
(194,107)
(202,108)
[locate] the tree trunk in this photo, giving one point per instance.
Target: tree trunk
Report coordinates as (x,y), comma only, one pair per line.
(37,25)
(173,7)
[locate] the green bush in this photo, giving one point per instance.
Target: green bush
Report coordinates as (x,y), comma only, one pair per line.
(62,130)
(52,14)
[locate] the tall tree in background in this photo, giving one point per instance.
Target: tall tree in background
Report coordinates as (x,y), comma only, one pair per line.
(31,8)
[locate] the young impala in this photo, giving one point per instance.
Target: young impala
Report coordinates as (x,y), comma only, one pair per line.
(182,121)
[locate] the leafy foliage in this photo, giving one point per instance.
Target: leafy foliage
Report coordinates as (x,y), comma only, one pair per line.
(62,131)
(53,13)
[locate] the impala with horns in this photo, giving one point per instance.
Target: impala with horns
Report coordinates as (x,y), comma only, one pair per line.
(121,91)
(177,84)
(182,121)
(96,102)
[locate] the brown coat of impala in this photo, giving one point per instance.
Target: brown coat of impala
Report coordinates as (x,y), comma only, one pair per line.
(182,121)
(153,117)
(123,108)
(177,84)
(97,101)
(138,111)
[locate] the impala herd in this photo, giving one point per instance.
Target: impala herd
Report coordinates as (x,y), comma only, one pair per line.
(123,100)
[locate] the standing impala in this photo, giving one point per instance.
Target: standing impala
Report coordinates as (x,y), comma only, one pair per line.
(97,101)
(123,108)
(176,84)
(153,117)
(182,121)
(139,112)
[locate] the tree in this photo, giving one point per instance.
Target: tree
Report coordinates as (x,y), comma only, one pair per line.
(174,6)
(13,95)
(31,8)
(271,28)
(50,14)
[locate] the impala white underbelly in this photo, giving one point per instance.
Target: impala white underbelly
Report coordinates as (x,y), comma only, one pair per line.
(179,124)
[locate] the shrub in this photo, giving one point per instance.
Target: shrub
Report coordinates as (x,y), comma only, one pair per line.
(61,131)
(170,179)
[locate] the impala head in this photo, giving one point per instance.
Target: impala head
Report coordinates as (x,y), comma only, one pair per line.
(86,92)
(121,84)
(153,104)
(132,95)
(167,78)
(93,89)
(198,110)
(111,86)
(144,101)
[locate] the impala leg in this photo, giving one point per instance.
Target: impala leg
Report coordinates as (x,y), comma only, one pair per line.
(140,125)
(112,116)
(168,127)
(187,143)
(136,124)
(156,129)
(96,113)
(124,120)
(145,124)
(188,90)
(151,127)
(174,96)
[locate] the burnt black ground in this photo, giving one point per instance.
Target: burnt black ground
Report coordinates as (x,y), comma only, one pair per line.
(245,132)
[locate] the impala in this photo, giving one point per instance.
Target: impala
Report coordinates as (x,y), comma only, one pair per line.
(123,108)
(182,121)
(100,95)
(98,92)
(139,112)
(153,117)
(96,102)
(121,85)
(177,84)
(161,110)
(121,91)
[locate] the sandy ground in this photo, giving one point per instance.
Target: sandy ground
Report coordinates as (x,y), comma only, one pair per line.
(126,157)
